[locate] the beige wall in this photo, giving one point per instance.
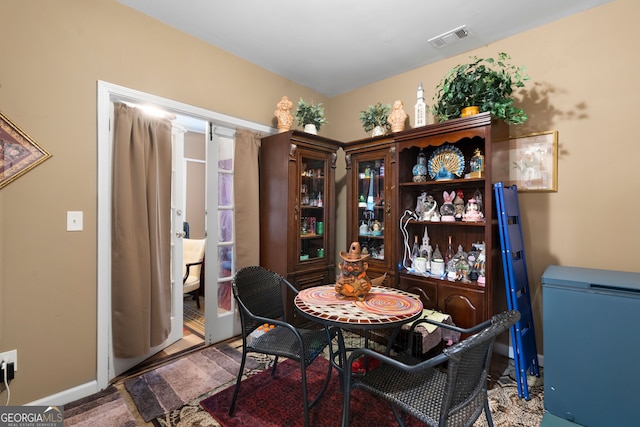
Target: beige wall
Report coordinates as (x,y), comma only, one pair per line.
(582,85)
(53,53)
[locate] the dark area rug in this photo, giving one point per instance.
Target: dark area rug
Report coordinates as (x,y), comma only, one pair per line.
(105,408)
(507,409)
(267,402)
(171,386)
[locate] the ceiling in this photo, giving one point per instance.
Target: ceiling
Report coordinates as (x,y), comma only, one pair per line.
(334,46)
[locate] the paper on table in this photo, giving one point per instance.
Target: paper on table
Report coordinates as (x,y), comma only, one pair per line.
(436,316)
(432,334)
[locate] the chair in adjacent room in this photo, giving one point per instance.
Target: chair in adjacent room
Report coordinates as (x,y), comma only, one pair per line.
(449,389)
(193,267)
(259,295)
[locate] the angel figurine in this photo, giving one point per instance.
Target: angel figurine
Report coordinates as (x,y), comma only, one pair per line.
(425,207)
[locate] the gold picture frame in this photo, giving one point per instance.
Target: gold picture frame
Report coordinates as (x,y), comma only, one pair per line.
(530,162)
(18,152)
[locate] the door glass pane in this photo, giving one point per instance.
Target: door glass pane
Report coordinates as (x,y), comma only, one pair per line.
(312,212)
(225,225)
(225,189)
(225,260)
(371,204)
(225,154)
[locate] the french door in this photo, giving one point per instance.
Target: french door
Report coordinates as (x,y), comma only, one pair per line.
(221,321)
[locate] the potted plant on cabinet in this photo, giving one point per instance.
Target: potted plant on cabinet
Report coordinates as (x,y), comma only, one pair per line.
(484,83)
(374,119)
(310,116)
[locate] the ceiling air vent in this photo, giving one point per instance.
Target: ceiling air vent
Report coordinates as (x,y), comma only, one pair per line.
(450,37)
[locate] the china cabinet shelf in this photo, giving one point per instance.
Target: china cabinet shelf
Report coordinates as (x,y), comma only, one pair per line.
(312,236)
(448,223)
(447,183)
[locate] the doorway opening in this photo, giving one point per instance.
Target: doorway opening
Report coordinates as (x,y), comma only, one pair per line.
(220,137)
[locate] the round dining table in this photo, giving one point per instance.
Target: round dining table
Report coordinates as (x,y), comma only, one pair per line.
(382,308)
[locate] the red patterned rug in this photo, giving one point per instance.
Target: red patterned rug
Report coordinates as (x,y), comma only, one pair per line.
(267,402)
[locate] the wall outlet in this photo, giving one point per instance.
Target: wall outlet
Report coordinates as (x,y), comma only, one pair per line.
(10,357)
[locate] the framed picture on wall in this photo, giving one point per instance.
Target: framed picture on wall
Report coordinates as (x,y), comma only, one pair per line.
(530,162)
(18,152)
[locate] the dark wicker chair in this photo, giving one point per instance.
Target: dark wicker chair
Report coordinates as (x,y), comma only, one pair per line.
(259,293)
(449,389)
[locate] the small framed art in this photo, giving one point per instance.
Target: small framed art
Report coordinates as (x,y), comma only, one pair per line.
(530,162)
(18,152)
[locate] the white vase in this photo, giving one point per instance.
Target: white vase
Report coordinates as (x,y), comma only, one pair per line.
(311,128)
(377,131)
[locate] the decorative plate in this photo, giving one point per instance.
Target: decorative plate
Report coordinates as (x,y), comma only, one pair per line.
(382,303)
(446,162)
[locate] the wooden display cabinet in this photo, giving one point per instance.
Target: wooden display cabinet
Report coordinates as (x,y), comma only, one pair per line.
(371,220)
(467,303)
(297,210)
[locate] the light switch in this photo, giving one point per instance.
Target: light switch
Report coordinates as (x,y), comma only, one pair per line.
(74,220)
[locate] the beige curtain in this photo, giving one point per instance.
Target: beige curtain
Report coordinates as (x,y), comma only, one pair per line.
(140,232)
(246,185)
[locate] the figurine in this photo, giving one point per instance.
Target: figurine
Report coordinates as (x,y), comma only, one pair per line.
(397,117)
(437,262)
(420,108)
(478,196)
(353,280)
(447,210)
(480,264)
(420,169)
(364,229)
(283,114)
(458,267)
(476,164)
(472,213)
(443,173)
(425,249)
(425,207)
(458,204)
(377,228)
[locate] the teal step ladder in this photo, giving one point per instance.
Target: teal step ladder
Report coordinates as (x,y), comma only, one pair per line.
(523,337)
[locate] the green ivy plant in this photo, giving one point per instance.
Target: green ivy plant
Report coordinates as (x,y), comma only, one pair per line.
(375,115)
(486,83)
(310,114)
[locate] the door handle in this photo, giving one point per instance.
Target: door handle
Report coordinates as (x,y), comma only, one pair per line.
(181,233)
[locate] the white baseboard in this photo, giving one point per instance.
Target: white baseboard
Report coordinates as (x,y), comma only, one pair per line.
(66,396)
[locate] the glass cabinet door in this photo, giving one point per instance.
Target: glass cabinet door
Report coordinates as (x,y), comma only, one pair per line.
(371,207)
(312,209)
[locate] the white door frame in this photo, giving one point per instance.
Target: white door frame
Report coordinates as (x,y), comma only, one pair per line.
(106,93)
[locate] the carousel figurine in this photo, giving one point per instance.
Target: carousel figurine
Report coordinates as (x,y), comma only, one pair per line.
(472,212)
(353,280)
